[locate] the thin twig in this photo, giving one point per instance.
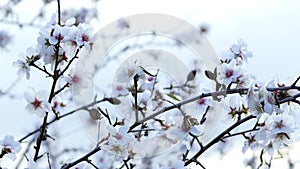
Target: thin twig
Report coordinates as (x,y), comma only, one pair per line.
(203,95)
(218,138)
(83,158)
(57,118)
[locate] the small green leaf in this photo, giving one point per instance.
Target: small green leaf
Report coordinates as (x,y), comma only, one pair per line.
(210,75)
(114,101)
(94,114)
(173,96)
(215,72)
(191,76)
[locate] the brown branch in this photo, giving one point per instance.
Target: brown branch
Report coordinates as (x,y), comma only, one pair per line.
(203,95)
(291,98)
(239,133)
(69,63)
(84,158)
(40,138)
(57,118)
(43,70)
(51,95)
(217,139)
(61,89)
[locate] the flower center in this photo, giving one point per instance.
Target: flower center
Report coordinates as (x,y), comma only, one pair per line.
(229,73)
(201,101)
(85,38)
(75,79)
(36,103)
(119,88)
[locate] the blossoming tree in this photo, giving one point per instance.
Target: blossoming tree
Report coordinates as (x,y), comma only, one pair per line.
(147,119)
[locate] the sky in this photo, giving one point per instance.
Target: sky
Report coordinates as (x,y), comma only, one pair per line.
(270,28)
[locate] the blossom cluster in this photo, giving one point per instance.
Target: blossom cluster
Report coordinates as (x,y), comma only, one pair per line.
(276,125)
(57,45)
(233,61)
(140,93)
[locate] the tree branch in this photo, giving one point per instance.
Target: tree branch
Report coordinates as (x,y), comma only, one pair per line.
(218,138)
(83,158)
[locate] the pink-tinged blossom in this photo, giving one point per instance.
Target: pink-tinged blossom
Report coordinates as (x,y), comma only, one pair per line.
(202,103)
(147,82)
(244,80)
(78,78)
(84,36)
(9,147)
(37,102)
(58,34)
(119,89)
(58,104)
(230,72)
(144,100)
(120,142)
(104,159)
(119,136)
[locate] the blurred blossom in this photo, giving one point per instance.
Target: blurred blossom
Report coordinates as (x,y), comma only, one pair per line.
(104,160)
(82,15)
(127,71)
(123,24)
(119,89)
(176,165)
(5,38)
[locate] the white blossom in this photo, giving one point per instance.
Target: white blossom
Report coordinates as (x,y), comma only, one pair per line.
(127,71)
(84,36)
(9,147)
(24,68)
(239,48)
(37,102)
(230,72)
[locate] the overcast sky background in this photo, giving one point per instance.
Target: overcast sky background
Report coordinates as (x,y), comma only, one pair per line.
(270,28)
